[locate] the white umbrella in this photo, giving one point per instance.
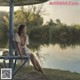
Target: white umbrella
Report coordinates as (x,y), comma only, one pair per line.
(20,2)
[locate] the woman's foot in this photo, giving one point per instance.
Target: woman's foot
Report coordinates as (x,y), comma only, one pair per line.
(39,70)
(42,71)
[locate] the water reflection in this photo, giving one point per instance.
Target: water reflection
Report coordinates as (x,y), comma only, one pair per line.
(58,58)
(62,51)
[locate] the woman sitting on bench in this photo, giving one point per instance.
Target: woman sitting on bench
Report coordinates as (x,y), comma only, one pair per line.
(21,41)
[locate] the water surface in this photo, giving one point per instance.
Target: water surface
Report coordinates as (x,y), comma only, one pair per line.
(64,59)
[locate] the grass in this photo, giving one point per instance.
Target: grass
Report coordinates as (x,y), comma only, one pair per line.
(52,74)
(62,74)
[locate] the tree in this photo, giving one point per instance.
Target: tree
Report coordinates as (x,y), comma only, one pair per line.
(51,23)
(31,16)
(58,21)
(4,28)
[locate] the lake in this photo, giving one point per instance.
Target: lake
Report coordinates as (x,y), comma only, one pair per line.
(58,58)
(53,56)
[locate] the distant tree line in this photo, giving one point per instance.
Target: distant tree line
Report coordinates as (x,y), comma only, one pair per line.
(53,33)
(40,34)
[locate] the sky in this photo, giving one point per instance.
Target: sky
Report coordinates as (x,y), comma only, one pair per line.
(68,14)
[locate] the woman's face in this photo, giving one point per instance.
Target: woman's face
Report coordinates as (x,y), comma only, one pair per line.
(24,29)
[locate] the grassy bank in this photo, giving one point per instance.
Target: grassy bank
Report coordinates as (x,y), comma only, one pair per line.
(51,74)
(28,73)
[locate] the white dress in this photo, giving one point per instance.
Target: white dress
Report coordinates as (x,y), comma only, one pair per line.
(27,51)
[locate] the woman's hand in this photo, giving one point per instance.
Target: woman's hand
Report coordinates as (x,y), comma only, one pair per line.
(21,55)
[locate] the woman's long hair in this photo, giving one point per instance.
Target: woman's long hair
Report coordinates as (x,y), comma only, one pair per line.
(20,28)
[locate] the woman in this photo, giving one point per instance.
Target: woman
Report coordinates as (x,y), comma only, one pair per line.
(20,44)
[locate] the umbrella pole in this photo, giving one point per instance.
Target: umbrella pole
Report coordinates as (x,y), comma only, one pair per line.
(11,31)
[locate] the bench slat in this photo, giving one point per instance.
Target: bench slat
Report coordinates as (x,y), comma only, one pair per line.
(13,57)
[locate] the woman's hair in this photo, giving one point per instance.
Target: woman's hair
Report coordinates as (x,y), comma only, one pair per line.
(20,28)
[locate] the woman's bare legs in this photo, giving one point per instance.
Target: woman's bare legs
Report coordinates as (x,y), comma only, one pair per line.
(35,63)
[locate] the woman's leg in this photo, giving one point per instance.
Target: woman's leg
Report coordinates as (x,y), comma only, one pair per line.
(35,63)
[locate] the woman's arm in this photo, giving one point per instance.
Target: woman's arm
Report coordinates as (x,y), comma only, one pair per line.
(16,41)
(27,40)
(18,47)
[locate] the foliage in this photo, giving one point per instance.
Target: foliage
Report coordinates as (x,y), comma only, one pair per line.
(30,16)
(4,29)
(39,34)
(56,34)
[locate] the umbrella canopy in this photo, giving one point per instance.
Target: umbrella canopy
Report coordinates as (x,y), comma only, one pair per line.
(20,2)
